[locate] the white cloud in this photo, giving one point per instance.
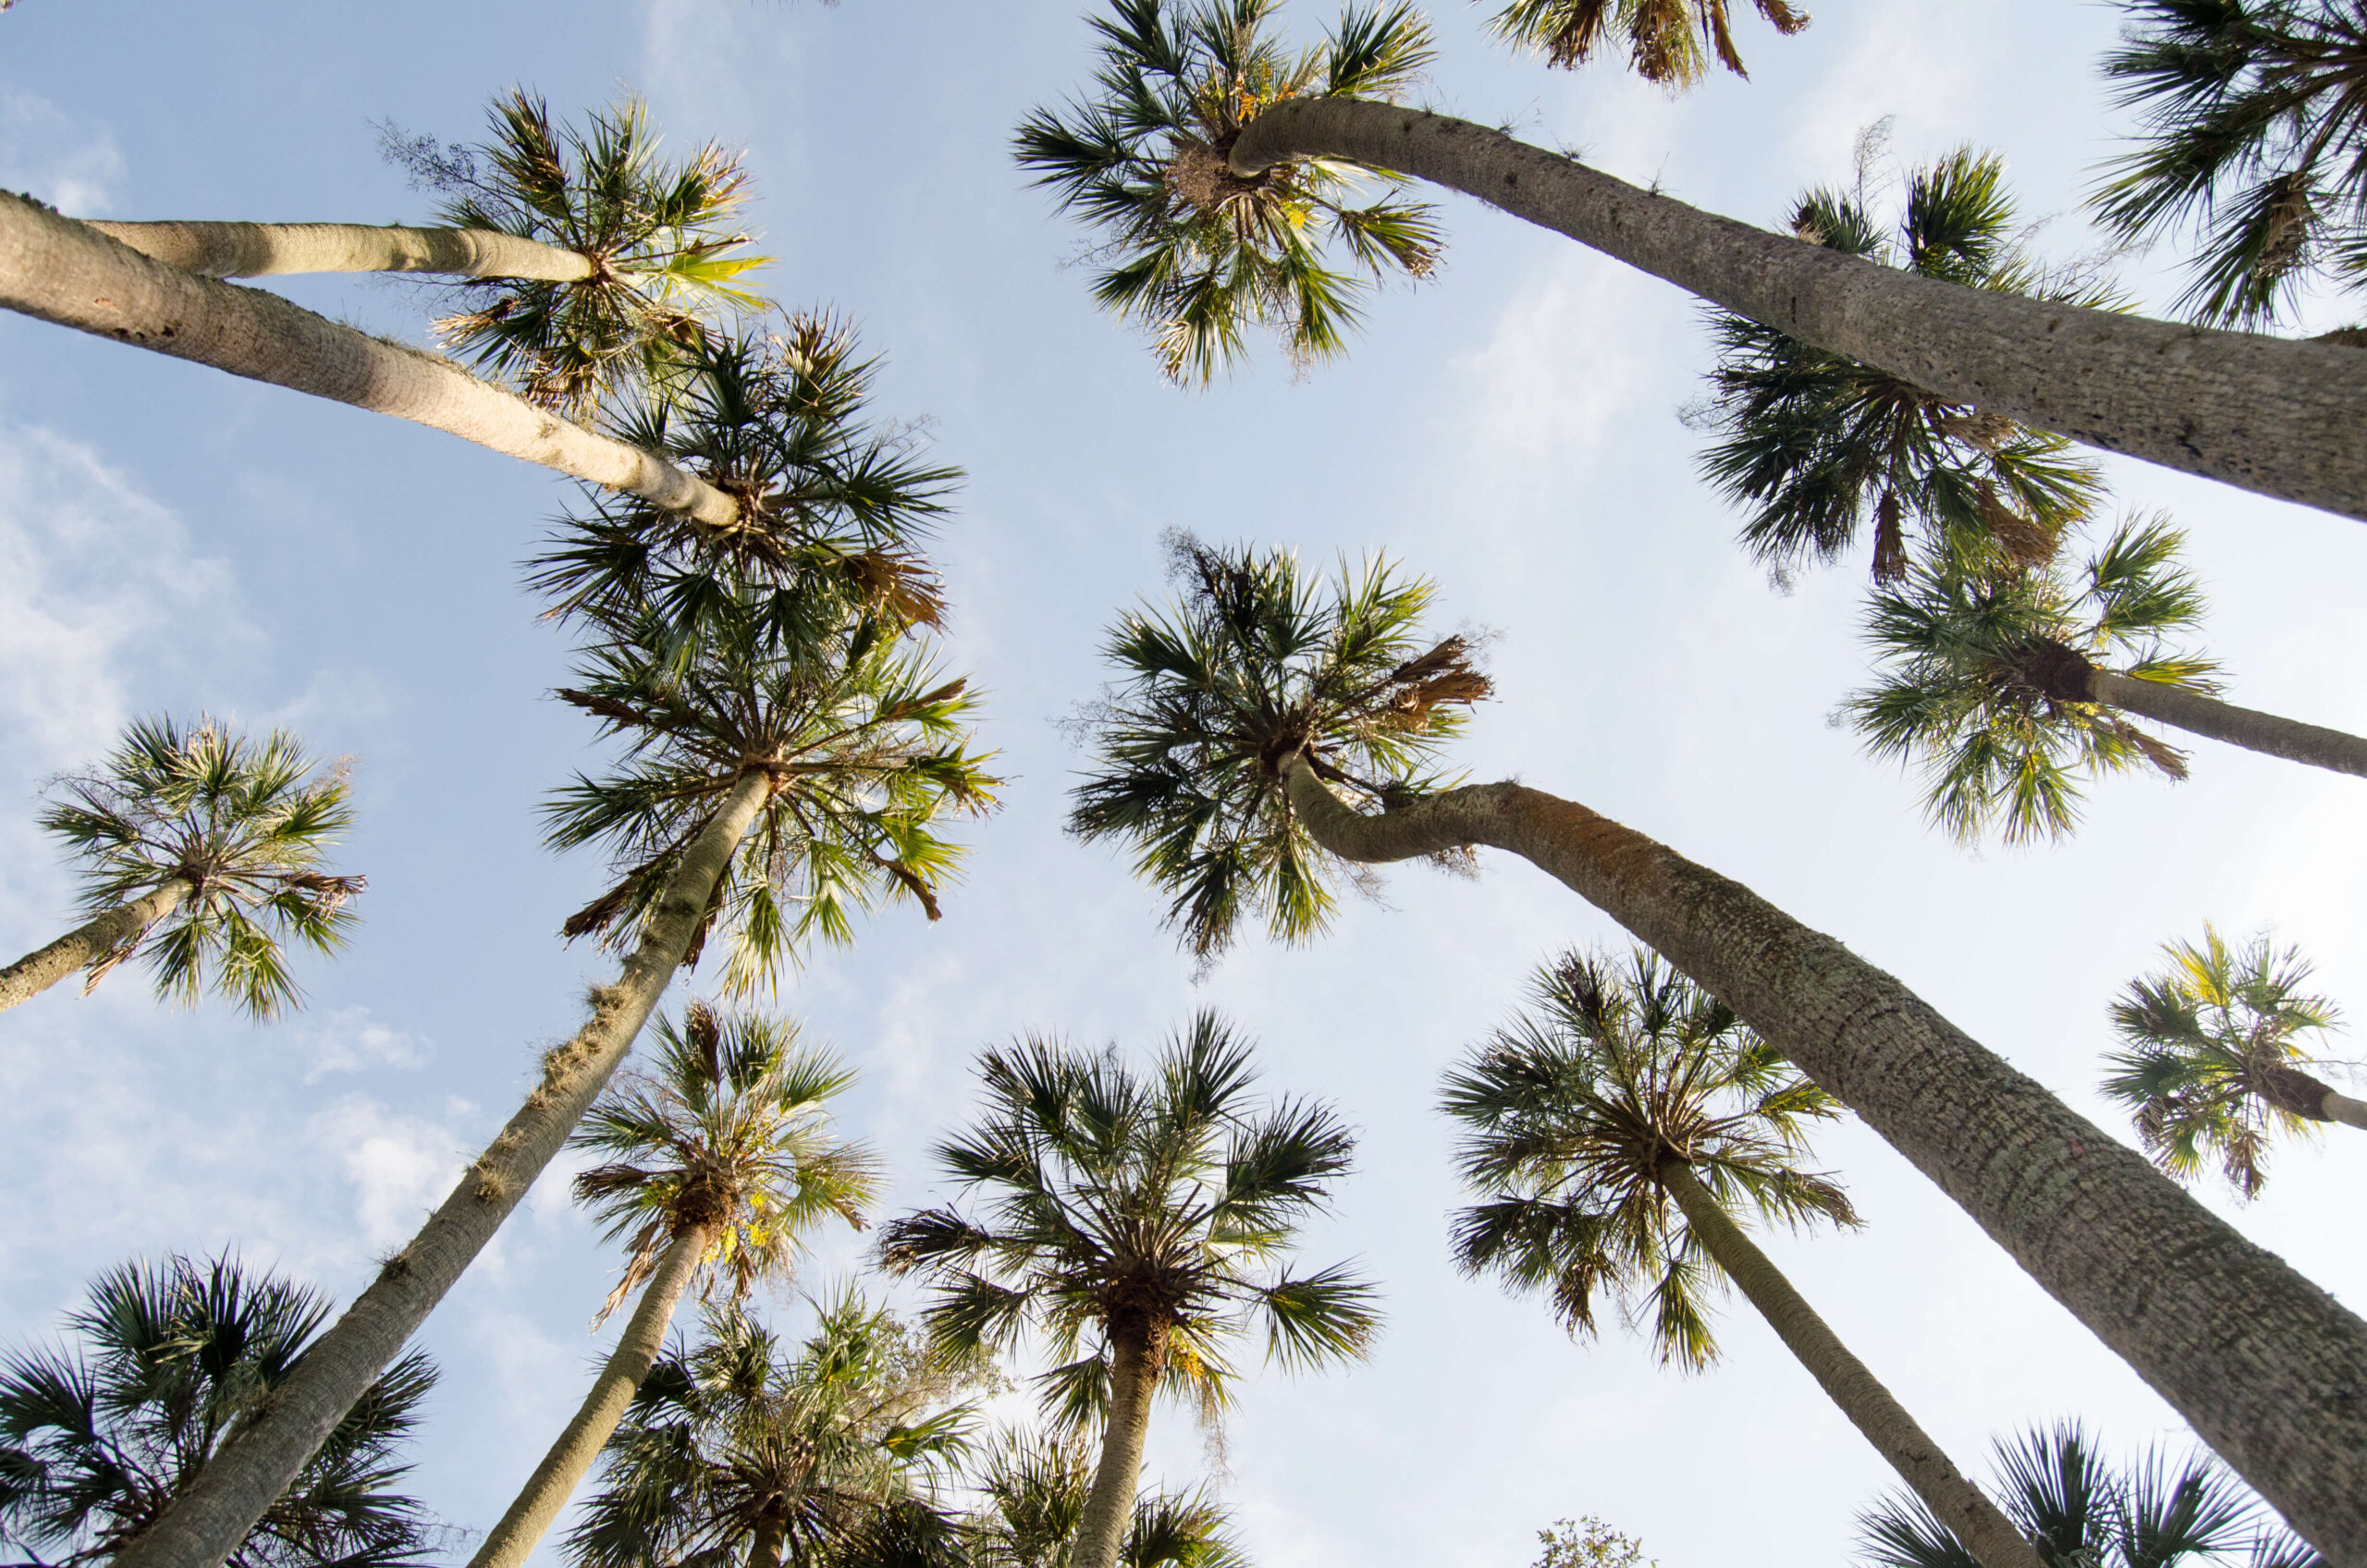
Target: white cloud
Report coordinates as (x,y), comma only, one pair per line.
(346,1040)
(1917,60)
(401,1167)
(72,163)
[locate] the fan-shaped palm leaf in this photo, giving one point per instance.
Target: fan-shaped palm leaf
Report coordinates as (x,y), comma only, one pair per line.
(1669,41)
(1033,1489)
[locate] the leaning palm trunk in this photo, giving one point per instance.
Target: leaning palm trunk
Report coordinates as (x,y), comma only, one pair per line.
(564,1467)
(2284,417)
(89,944)
(264,249)
(2199,715)
(2269,1368)
(68,273)
(207,1521)
(1954,1500)
(1109,1505)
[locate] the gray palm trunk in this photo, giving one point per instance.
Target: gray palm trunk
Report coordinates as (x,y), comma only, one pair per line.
(89,943)
(264,249)
(569,1458)
(2253,730)
(2270,1370)
(66,272)
(202,1526)
(2277,416)
(1110,1504)
(2343,1109)
(1956,1502)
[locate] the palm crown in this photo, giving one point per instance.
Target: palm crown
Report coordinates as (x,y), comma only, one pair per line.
(1196,253)
(1670,42)
(1572,1115)
(245,823)
(2211,1060)
(1159,1205)
(1982,677)
(1254,661)
(174,1361)
(1813,442)
(1032,1487)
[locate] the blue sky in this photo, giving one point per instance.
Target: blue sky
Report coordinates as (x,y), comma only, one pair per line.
(177,540)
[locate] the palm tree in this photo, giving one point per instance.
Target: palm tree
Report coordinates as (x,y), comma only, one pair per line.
(172,1362)
(2254,140)
(200,849)
(1133,161)
(2078,1509)
(1668,42)
(1033,1488)
(1193,765)
(1614,1135)
(1139,1222)
(1813,442)
(2211,1061)
(1993,678)
(719,1162)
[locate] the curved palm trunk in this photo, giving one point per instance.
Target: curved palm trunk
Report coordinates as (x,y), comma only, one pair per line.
(2284,418)
(2199,715)
(563,1468)
(1109,1505)
(68,273)
(88,944)
(264,249)
(1954,1500)
(2269,1368)
(204,1524)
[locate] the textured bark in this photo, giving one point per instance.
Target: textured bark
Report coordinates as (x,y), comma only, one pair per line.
(2283,417)
(68,273)
(569,1458)
(764,1550)
(87,943)
(202,1526)
(2268,1368)
(2341,1108)
(1109,1505)
(2263,732)
(1954,1500)
(264,249)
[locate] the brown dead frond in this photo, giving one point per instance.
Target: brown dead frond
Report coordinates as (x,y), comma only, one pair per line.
(912,882)
(1890,539)
(2025,539)
(624,716)
(594,917)
(903,585)
(2166,757)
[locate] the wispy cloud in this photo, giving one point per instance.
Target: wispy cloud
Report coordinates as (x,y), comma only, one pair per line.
(67,161)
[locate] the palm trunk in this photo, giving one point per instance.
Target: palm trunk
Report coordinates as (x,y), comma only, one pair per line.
(2199,715)
(1109,1506)
(764,1552)
(2343,1109)
(2284,417)
(68,273)
(89,943)
(563,1468)
(264,249)
(2269,1368)
(1954,1500)
(204,1524)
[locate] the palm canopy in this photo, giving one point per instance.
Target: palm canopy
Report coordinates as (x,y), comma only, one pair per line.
(1669,41)
(1254,660)
(2212,1061)
(1982,677)
(1812,444)
(171,1362)
(245,822)
(866,751)
(727,1128)
(1160,1204)
(1032,1488)
(2083,1512)
(1194,253)
(2254,139)
(1572,1116)
(664,239)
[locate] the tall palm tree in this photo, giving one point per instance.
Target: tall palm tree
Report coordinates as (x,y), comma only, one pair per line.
(1033,1489)
(169,1363)
(718,1162)
(198,849)
(2254,140)
(1812,444)
(1182,79)
(1669,41)
(2211,1061)
(1615,1134)
(1139,1222)
(1193,765)
(2007,684)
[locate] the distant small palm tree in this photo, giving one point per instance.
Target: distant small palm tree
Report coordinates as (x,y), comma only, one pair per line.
(198,849)
(1033,1489)
(171,1362)
(1138,1220)
(1669,41)
(2211,1061)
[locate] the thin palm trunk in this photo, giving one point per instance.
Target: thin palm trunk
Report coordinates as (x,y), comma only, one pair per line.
(2263,732)
(569,1458)
(1896,1435)
(89,943)
(2284,417)
(264,249)
(2268,1368)
(2343,1109)
(1109,1505)
(202,1526)
(66,272)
